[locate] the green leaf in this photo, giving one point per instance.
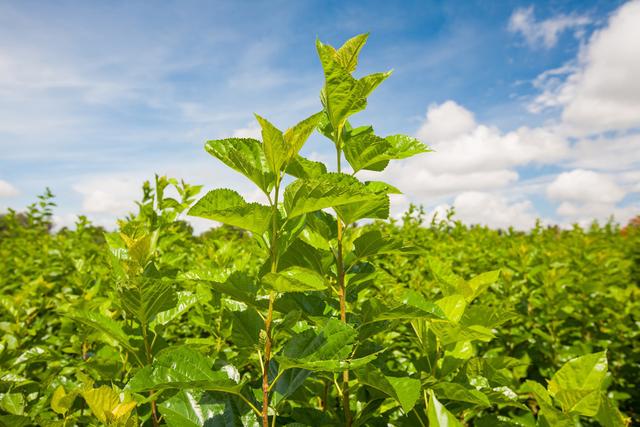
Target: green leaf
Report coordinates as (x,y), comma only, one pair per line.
(404,146)
(330,190)
(296,136)
(295,279)
(105,404)
(275,150)
(13,403)
(186,300)
(480,283)
(61,402)
(438,415)
(451,283)
(228,207)
(371,152)
(453,307)
(609,415)
(403,389)
(460,393)
(577,384)
(183,368)
(106,325)
(301,167)
(367,151)
(144,298)
(373,243)
(343,95)
(198,409)
(328,349)
(347,55)
(246,156)
(377,207)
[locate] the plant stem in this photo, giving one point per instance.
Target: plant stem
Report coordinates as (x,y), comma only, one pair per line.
(269,318)
(342,294)
(147,348)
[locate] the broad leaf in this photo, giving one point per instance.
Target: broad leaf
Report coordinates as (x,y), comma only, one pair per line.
(438,415)
(246,156)
(347,54)
(301,167)
(330,190)
(275,150)
(403,389)
(296,136)
(295,279)
(228,207)
(328,349)
(183,368)
(143,298)
(200,409)
(577,384)
(105,404)
(373,243)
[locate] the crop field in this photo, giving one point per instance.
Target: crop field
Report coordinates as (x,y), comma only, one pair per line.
(314,309)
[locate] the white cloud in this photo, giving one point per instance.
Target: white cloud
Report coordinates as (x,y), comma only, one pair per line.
(114,195)
(585,186)
(603,92)
(545,33)
(446,121)
(7,190)
(606,153)
(491,210)
(469,156)
(585,196)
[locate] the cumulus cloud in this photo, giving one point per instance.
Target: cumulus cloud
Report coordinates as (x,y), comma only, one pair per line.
(602,93)
(587,195)
(109,194)
(545,33)
(469,156)
(492,210)
(446,121)
(585,186)
(7,190)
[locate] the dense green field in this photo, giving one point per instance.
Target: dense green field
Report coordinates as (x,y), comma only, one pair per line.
(314,309)
(560,294)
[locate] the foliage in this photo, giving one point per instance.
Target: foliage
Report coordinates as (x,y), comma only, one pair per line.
(292,314)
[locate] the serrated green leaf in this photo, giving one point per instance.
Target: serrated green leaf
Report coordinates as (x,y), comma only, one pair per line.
(328,349)
(228,207)
(275,149)
(373,243)
(453,307)
(185,300)
(460,393)
(105,325)
(330,190)
(246,156)
(375,208)
(347,54)
(144,298)
(438,415)
(403,389)
(61,401)
(295,279)
(301,167)
(577,384)
(296,136)
(198,409)
(183,368)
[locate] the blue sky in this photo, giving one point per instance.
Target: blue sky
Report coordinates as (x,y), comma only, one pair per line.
(533,109)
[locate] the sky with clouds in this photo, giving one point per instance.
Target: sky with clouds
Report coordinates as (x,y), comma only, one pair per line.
(532,108)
